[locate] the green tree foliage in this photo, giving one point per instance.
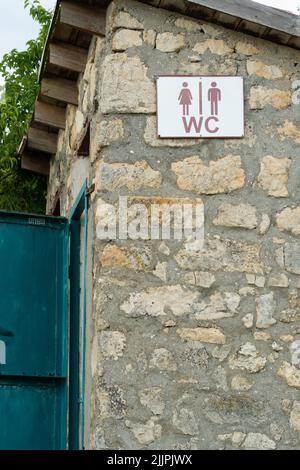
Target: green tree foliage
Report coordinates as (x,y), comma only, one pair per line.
(21,191)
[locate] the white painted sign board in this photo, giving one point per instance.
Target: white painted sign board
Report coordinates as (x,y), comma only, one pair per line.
(200,106)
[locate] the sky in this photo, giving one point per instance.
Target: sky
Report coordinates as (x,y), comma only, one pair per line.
(290,5)
(16,26)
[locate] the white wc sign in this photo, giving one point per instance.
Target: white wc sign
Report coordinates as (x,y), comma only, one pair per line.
(200,106)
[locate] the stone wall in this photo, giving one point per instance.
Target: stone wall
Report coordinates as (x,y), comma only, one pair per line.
(191,348)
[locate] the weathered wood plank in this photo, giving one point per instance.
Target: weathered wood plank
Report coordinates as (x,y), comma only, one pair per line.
(67,56)
(60,89)
(178,5)
(294,42)
(41,140)
(255,13)
(50,115)
(35,162)
(83,17)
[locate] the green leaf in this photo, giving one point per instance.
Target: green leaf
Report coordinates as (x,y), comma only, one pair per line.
(19,190)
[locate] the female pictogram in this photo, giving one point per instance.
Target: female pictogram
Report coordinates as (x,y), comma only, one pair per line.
(214,96)
(185,99)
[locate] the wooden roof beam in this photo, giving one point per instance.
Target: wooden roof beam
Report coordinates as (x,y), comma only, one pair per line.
(60,89)
(41,140)
(50,115)
(253,12)
(83,17)
(35,162)
(67,56)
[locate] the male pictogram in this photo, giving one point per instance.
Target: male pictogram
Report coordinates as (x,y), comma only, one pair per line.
(214,96)
(185,99)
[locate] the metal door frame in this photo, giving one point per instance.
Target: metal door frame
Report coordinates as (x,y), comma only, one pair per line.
(77,342)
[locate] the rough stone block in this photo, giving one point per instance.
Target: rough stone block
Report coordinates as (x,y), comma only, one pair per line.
(260,69)
(215,46)
(246,48)
(113,176)
(289,130)
(125,86)
(289,220)
(290,373)
(131,257)
(205,335)
(292,257)
(265,307)
(261,96)
(169,42)
(220,176)
(122,19)
(155,300)
(273,176)
(126,38)
(221,255)
(240,216)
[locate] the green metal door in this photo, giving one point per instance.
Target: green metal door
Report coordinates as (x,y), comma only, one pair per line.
(33,331)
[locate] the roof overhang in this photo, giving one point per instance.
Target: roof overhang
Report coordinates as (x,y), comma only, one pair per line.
(74,24)
(246,16)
